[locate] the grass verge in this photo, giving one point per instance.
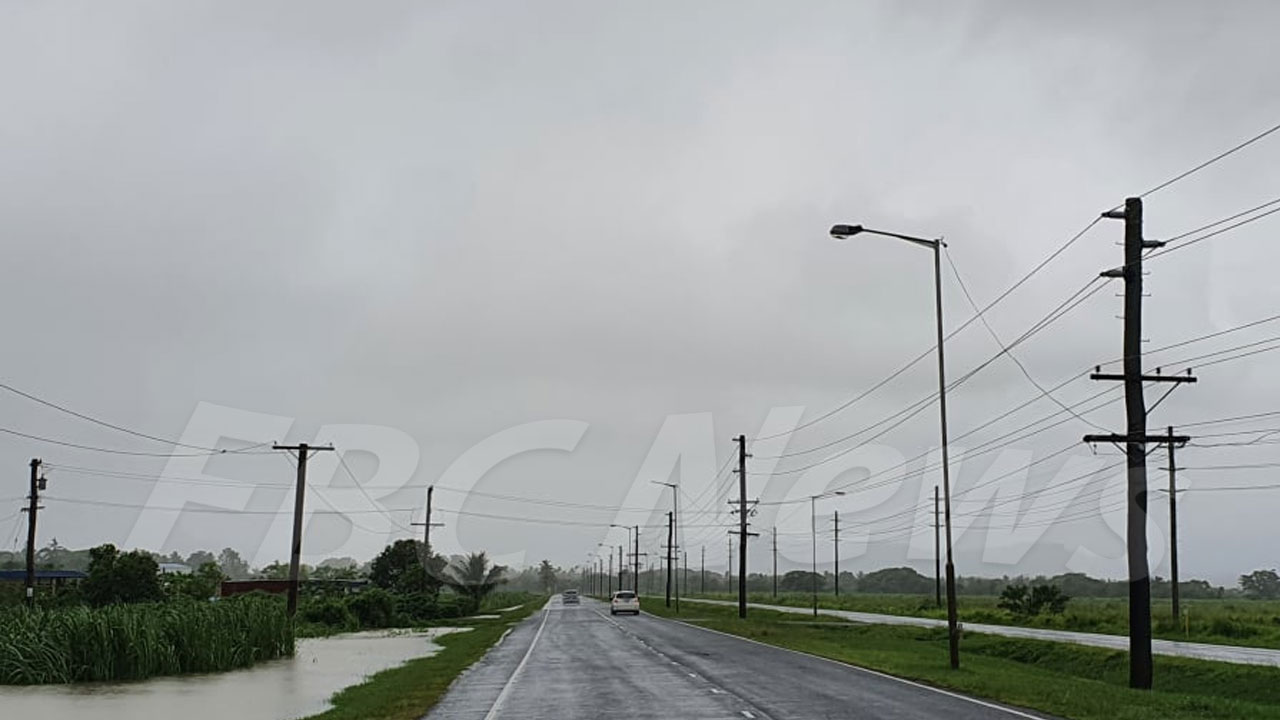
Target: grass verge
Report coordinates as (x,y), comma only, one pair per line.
(1227,621)
(407,692)
(1056,678)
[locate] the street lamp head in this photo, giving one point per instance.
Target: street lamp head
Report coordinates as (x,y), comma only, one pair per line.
(840,232)
(839,492)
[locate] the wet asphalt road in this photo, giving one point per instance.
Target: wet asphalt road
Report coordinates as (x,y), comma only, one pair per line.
(572,662)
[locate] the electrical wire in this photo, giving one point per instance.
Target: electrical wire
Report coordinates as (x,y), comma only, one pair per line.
(999,298)
(120,428)
(1233,150)
(1008,351)
(116,451)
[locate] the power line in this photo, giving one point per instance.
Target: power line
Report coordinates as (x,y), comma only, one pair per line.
(115,451)
(999,298)
(118,428)
(1008,351)
(1211,161)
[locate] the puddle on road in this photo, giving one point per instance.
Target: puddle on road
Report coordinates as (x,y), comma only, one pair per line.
(276,690)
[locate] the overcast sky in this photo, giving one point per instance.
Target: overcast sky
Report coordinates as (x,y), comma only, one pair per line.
(461,230)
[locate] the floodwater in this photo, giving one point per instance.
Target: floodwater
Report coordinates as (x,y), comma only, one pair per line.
(275,690)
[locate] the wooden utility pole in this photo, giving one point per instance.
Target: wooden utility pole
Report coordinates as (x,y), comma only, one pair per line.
(704,570)
(636,560)
(671,523)
(728,583)
(937,547)
(304,452)
(836,546)
(775,561)
(742,525)
(426,526)
(32,509)
(621,567)
(610,574)
(1135,439)
(1172,441)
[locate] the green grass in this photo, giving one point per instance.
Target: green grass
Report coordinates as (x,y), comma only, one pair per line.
(407,692)
(1057,678)
(1252,623)
(132,642)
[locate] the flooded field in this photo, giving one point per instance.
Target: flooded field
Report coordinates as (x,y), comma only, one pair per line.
(275,690)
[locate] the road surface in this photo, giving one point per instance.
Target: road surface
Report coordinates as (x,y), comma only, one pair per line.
(576,662)
(1199,651)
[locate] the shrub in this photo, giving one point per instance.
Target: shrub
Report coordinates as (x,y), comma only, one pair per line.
(373,608)
(329,612)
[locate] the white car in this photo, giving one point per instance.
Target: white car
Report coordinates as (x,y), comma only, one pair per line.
(624,601)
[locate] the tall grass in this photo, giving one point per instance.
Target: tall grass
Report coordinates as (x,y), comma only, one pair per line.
(132,642)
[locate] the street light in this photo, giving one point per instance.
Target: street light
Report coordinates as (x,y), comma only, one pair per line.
(621,563)
(609,549)
(840,232)
(813,523)
(675,543)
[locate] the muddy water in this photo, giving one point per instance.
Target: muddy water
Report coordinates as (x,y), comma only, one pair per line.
(275,690)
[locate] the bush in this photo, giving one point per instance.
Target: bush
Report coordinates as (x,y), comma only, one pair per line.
(373,608)
(1024,602)
(332,613)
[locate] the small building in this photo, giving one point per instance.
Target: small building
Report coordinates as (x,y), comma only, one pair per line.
(44,578)
(280,587)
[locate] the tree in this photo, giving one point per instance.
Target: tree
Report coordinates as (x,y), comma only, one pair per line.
(1261,584)
(232,565)
(800,581)
(547,576)
(895,580)
(200,557)
(398,568)
(116,577)
(201,584)
(473,577)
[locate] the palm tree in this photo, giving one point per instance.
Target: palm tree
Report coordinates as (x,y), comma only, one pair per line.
(473,577)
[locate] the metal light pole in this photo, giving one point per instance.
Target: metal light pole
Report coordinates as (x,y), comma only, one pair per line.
(813,524)
(841,232)
(621,560)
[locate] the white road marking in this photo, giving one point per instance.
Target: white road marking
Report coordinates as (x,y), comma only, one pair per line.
(506,689)
(747,714)
(877,673)
(632,635)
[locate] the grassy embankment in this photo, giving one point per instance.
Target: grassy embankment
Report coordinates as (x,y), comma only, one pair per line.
(408,691)
(1253,623)
(1057,678)
(132,642)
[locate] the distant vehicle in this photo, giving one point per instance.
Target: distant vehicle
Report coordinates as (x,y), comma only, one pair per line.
(570,597)
(624,601)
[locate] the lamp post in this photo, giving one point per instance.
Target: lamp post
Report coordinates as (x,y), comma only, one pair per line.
(608,549)
(813,524)
(621,561)
(841,232)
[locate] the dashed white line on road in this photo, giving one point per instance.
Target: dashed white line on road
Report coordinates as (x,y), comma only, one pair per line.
(747,714)
(717,691)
